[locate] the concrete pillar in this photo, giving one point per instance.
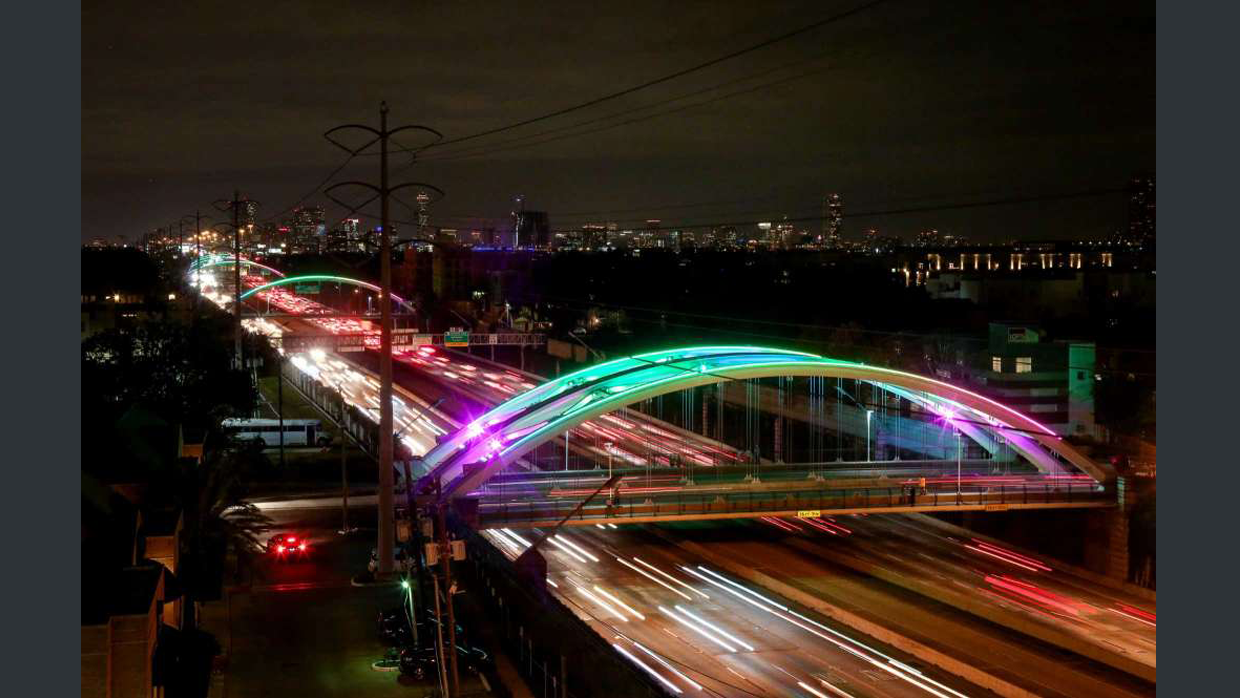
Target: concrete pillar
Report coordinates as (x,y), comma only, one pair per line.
(1106,545)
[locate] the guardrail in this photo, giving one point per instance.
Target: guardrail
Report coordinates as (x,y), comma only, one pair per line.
(679,506)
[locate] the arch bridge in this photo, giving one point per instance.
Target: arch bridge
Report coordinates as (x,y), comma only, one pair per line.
(325,278)
(471,456)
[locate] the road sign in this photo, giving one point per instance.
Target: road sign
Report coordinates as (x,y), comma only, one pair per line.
(997,507)
(456,339)
(809,514)
(306,289)
(404,338)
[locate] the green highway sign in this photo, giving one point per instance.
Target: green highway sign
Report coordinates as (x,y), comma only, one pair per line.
(456,339)
(306,289)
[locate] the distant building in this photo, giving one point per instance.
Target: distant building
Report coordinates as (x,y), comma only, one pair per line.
(832,220)
(309,230)
(1050,381)
(593,236)
(1141,210)
(247,212)
(531,230)
(928,238)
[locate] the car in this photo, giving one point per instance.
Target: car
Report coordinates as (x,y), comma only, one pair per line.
(404,560)
(421,662)
(286,546)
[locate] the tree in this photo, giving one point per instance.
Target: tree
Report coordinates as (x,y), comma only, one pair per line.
(181,372)
(218,518)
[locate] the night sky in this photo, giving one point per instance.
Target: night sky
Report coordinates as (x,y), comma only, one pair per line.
(906,104)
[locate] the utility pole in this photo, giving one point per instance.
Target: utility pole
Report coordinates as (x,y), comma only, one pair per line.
(235,205)
(383,192)
(280,403)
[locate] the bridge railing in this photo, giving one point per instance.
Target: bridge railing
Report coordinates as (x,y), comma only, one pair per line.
(757,503)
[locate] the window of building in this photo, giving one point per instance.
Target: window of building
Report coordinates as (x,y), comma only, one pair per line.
(996,364)
(1024,364)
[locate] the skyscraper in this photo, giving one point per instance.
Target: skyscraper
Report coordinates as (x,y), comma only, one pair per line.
(531,230)
(1141,210)
(247,212)
(424,214)
(308,228)
(832,220)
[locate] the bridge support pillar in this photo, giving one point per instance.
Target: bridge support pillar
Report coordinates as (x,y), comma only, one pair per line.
(1106,550)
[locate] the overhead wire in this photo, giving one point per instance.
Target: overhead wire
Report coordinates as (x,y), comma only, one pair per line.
(487,148)
(837,17)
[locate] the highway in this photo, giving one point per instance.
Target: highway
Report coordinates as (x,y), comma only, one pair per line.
(992,581)
(700,630)
(888,561)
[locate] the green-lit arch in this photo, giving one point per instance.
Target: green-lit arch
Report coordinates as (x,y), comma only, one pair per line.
(323,277)
(244,262)
(541,414)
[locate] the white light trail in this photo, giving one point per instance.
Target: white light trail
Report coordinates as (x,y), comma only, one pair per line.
(669,667)
(665,574)
(567,541)
(654,579)
(648,670)
(568,551)
(716,628)
(622,604)
(917,679)
(697,629)
(519,539)
(610,609)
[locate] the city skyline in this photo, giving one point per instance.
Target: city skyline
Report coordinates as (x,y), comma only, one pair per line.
(975,135)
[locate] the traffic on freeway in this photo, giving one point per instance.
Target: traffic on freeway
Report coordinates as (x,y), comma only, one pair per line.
(698,630)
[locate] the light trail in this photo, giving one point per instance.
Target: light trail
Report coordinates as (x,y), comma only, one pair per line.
(697,629)
(603,604)
(670,577)
(716,628)
(647,669)
(654,579)
(567,541)
(667,666)
(622,604)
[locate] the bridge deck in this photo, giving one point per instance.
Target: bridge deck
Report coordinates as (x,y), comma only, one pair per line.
(679,506)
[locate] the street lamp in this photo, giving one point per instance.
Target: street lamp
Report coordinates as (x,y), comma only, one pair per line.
(868,415)
(608,446)
(958,455)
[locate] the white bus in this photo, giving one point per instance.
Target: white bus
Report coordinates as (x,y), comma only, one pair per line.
(297,432)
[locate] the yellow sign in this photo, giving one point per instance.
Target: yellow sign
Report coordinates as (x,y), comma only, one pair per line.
(997,507)
(809,514)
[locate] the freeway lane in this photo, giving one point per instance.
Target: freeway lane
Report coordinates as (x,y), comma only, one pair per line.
(693,626)
(994,582)
(1003,652)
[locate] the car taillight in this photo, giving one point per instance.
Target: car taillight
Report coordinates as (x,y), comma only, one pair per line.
(291,539)
(279,548)
(302,547)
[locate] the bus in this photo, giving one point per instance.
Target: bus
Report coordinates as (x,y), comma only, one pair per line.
(297,432)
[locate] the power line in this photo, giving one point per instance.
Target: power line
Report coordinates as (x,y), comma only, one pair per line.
(317,188)
(635,120)
(452,154)
(680,73)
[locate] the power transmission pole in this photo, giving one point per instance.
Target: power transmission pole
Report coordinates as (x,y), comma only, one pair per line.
(235,206)
(383,192)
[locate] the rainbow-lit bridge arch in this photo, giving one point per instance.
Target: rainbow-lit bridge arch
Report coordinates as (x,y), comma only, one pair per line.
(244,262)
(541,414)
(321,278)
